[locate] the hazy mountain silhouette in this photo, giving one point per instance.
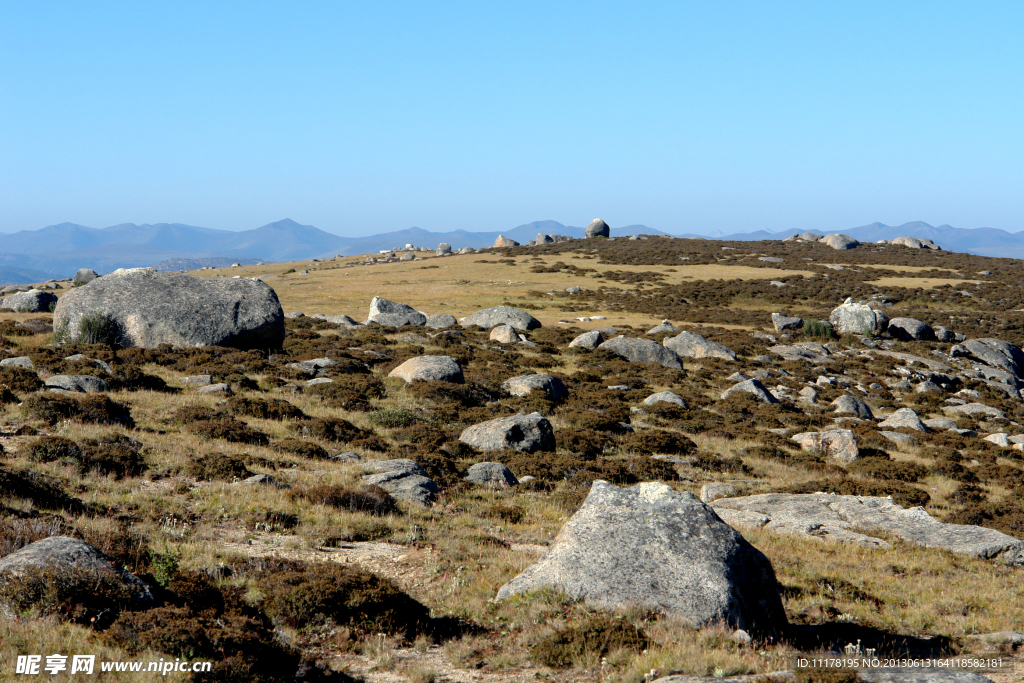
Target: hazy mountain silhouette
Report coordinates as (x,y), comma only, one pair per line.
(59,250)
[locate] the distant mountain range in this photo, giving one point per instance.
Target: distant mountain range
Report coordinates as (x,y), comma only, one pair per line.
(58,251)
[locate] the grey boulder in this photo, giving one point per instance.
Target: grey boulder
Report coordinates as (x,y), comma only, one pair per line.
(910,329)
(653,547)
(751,386)
(81,383)
(17,361)
(598,228)
(83,276)
(588,340)
(77,560)
(860,319)
(491,475)
(665,327)
(523,385)
(502,315)
(341,321)
(429,369)
(690,345)
(864,520)
(393,314)
(904,418)
(403,479)
(643,351)
(32,301)
(665,397)
(523,433)
(441,320)
(997,353)
(786,323)
(443,248)
(147,308)
(838,444)
(851,405)
(839,241)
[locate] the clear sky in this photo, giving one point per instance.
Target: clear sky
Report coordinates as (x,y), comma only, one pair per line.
(373,116)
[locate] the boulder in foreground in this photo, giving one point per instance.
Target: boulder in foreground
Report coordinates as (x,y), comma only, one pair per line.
(651,546)
(32,301)
(393,314)
(145,308)
(860,319)
(429,369)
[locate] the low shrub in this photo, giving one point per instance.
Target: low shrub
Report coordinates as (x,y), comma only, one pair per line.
(1006,516)
(18,532)
(132,378)
(372,500)
(220,466)
(20,380)
(67,593)
(114,454)
(44,492)
(305,449)
(228,428)
(584,644)
(902,494)
(51,448)
(648,441)
(344,595)
(349,392)
(94,408)
(331,430)
(887,470)
(267,409)
(393,418)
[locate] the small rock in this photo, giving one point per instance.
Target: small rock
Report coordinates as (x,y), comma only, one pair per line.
(403,479)
(838,444)
(852,405)
(643,351)
(492,475)
(690,345)
(502,315)
(904,418)
(18,361)
(78,383)
(429,369)
(505,334)
(523,385)
(588,340)
(441,320)
(940,423)
(83,276)
(524,433)
(927,387)
(751,386)
(785,323)
(910,329)
(393,314)
(1000,439)
(713,490)
(665,397)
(808,395)
(215,389)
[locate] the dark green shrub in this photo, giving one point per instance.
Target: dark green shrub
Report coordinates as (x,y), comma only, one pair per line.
(114,454)
(230,429)
(393,418)
(44,492)
(818,330)
(19,379)
(51,448)
(372,500)
(331,430)
(68,593)
(587,642)
(649,441)
(94,408)
(267,409)
(97,328)
(305,449)
(887,470)
(217,466)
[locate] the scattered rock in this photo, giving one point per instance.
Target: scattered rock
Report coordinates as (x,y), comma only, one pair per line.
(69,556)
(429,369)
(910,329)
(853,518)
(643,351)
(491,475)
(859,319)
(523,385)
(812,352)
(751,386)
(653,547)
(502,315)
(588,340)
(665,327)
(904,418)
(80,383)
(32,301)
(524,433)
(503,241)
(853,406)
(713,490)
(784,323)
(443,249)
(505,334)
(808,395)
(838,444)
(927,387)
(690,345)
(84,276)
(221,388)
(403,479)
(940,423)
(997,353)
(598,228)
(665,397)
(1000,439)
(972,409)
(18,361)
(441,320)
(899,438)
(146,308)
(393,314)
(341,321)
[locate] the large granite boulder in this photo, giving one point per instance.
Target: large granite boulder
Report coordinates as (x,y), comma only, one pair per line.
(73,561)
(441,320)
(145,308)
(492,475)
(503,241)
(838,444)
(859,319)
(653,547)
(393,314)
(643,351)
(665,397)
(79,383)
(690,345)
(865,520)
(523,433)
(502,315)
(851,405)
(997,353)
(838,241)
(910,329)
(588,340)
(429,369)
(904,418)
(598,228)
(523,385)
(32,301)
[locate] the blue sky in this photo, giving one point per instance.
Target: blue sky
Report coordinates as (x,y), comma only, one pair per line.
(366,117)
